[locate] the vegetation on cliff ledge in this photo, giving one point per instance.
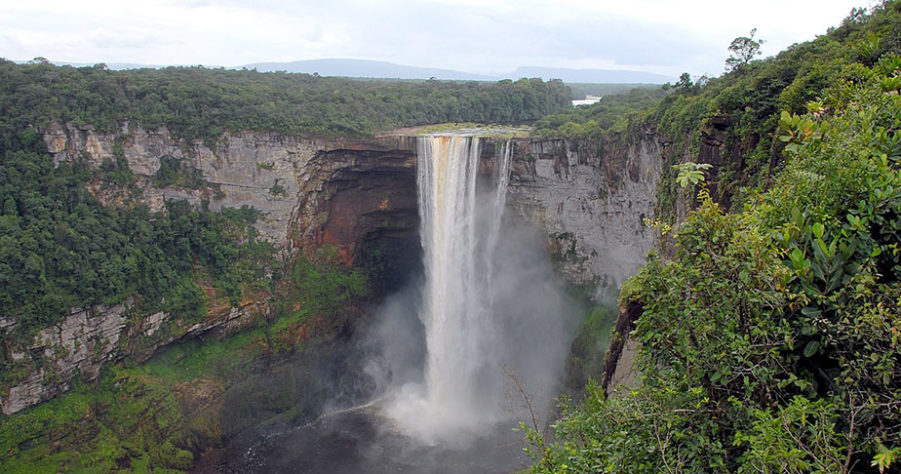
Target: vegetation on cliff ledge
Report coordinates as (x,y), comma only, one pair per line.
(61,248)
(190,397)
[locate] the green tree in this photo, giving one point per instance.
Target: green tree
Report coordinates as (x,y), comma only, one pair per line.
(743,49)
(770,340)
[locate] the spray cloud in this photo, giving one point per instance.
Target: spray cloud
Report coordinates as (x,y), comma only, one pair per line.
(489,304)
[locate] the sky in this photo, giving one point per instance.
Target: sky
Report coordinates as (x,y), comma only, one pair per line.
(478,36)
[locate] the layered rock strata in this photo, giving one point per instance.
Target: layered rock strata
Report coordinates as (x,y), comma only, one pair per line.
(358,196)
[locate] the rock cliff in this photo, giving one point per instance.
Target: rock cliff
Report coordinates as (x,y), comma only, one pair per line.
(359,196)
(261,170)
(366,200)
(363,202)
(85,339)
(591,202)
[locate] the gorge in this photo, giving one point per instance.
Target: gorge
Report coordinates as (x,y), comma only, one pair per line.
(463,354)
(359,198)
(232,271)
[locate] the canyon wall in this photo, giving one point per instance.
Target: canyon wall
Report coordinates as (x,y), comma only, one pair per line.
(310,192)
(357,195)
(261,170)
(592,202)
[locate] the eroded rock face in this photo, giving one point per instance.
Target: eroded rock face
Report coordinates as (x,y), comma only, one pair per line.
(592,204)
(359,197)
(363,202)
(262,170)
(619,370)
(85,340)
(245,167)
(365,195)
(89,337)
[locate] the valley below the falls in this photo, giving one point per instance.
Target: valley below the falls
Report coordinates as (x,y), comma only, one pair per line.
(471,347)
(361,440)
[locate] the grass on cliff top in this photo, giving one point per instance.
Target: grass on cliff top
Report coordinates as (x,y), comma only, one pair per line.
(476,129)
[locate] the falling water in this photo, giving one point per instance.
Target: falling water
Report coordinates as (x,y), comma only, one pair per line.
(503,156)
(439,353)
(460,230)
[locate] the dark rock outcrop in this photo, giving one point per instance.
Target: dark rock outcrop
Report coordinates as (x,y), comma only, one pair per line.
(363,202)
(618,363)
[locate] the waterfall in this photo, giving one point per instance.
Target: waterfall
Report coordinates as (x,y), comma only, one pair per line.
(503,154)
(460,230)
(491,304)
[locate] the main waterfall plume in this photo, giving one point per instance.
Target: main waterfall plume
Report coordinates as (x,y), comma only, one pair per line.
(490,302)
(457,255)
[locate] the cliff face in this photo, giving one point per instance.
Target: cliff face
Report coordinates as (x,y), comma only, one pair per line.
(85,340)
(360,197)
(310,192)
(363,202)
(718,146)
(90,337)
(591,203)
(245,167)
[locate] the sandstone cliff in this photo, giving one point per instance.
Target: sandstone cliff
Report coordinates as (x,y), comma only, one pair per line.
(359,196)
(591,203)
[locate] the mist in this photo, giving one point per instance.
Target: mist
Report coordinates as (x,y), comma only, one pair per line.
(452,362)
(501,350)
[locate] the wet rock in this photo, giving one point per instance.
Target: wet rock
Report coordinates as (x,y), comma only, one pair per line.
(591,204)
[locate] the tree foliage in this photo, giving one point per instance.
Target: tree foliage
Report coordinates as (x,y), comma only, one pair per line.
(60,248)
(199,103)
(157,416)
(743,49)
(736,116)
(770,341)
(612,113)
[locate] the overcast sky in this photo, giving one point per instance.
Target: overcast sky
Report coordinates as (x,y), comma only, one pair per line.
(481,36)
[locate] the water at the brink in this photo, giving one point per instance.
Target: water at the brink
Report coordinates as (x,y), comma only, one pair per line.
(460,231)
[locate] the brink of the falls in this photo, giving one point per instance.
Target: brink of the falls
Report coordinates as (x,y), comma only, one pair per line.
(491,308)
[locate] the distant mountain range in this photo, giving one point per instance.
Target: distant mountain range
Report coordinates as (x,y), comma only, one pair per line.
(364,68)
(381,69)
(367,68)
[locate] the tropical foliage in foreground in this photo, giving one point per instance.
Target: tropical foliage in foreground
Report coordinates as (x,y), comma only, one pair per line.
(771,340)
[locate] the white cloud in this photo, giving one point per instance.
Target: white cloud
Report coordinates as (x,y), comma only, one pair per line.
(476,35)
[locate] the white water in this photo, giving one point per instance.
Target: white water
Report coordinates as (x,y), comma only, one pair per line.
(491,305)
(490,301)
(460,227)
